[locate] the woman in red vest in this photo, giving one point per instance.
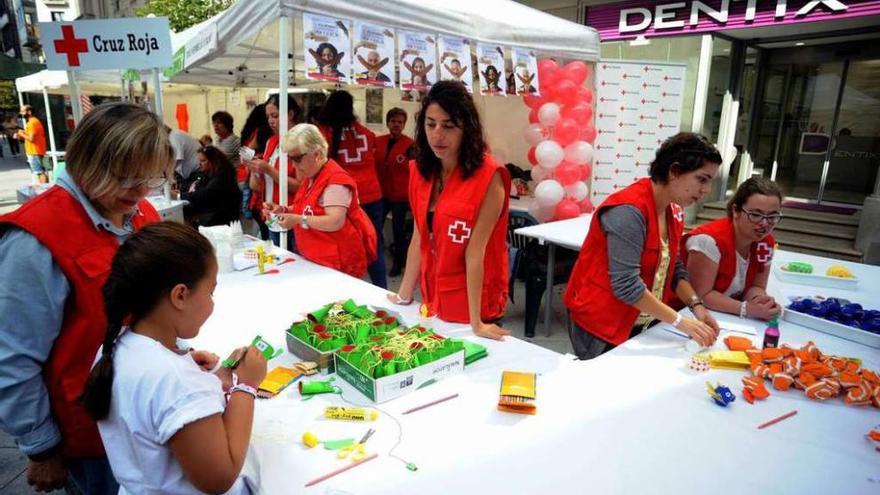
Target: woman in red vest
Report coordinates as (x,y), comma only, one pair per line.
(393,152)
(458,196)
(265,171)
(629,268)
(729,259)
(330,226)
(353,146)
(55,254)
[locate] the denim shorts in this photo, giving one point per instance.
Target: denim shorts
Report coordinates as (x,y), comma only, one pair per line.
(35,162)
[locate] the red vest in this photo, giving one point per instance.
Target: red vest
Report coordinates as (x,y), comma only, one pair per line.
(589,296)
(760,253)
(349,249)
(84,254)
(443,270)
(393,167)
(271,144)
(357,155)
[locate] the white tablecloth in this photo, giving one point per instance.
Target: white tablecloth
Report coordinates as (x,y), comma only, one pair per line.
(569,234)
(632,421)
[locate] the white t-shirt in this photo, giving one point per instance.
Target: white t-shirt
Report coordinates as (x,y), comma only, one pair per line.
(155,393)
(186,150)
(705,245)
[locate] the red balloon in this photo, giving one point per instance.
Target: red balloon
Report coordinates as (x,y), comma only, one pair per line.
(579,112)
(565,132)
(566,209)
(584,95)
(546,67)
(586,206)
(586,172)
(565,91)
(534,101)
(576,72)
(588,133)
(533,116)
(567,173)
(532,159)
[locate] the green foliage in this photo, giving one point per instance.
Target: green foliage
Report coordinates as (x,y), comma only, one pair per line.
(182,14)
(8,97)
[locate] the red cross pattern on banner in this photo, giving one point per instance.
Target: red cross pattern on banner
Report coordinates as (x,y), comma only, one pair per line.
(71,46)
(355,148)
(764,252)
(459,232)
(639,106)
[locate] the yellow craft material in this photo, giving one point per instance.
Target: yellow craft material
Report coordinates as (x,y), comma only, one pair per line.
(277,379)
(728,360)
(351,413)
(310,440)
(839,271)
(518,392)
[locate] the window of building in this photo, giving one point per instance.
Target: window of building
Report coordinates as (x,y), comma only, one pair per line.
(57,16)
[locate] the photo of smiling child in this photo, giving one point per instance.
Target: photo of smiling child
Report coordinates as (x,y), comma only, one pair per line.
(490,64)
(455,61)
(373,50)
(325,40)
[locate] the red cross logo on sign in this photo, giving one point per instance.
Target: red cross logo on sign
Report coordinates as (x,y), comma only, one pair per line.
(764,252)
(71,46)
(459,232)
(354,152)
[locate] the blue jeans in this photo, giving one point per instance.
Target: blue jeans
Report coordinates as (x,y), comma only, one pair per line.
(376,269)
(291,241)
(35,162)
(92,475)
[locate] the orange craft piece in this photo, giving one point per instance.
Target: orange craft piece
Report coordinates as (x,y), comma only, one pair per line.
(874,435)
(818,370)
(736,343)
(754,356)
(792,365)
(782,381)
(772,355)
(822,390)
(875,397)
(848,380)
(753,388)
(871,377)
(859,396)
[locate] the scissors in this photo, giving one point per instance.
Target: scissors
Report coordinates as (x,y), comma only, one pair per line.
(356,451)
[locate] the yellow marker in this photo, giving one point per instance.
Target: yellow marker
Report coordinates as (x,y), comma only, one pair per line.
(261,259)
(351,413)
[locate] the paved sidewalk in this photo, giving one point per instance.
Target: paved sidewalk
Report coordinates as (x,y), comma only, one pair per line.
(14,173)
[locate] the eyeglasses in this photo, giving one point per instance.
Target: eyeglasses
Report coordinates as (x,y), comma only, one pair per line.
(756,217)
(298,158)
(150,182)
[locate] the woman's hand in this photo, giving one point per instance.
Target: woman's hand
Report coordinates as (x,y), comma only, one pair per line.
(287,220)
(399,300)
(273,208)
(706,317)
(205,359)
(490,331)
(762,307)
(258,165)
(699,331)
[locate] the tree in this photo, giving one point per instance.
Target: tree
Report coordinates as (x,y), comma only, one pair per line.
(182,14)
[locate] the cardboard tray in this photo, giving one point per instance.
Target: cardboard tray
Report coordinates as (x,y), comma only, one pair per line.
(399,384)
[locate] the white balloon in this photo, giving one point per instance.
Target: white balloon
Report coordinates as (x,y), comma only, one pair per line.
(540,213)
(577,191)
(540,173)
(579,152)
(549,154)
(535,133)
(548,114)
(549,193)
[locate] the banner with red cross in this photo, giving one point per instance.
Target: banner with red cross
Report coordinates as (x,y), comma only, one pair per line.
(139,43)
(638,106)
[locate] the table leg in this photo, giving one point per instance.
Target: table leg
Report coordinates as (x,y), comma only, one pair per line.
(548,308)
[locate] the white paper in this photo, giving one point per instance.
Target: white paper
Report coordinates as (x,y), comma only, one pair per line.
(493,76)
(455,60)
(327,44)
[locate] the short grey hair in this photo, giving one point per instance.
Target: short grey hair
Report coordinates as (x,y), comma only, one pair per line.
(306,138)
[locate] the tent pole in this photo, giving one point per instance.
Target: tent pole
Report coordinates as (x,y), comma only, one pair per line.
(51,131)
(284,45)
(157,89)
(75,103)
(122,86)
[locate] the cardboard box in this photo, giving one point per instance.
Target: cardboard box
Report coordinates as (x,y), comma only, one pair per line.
(399,384)
(306,352)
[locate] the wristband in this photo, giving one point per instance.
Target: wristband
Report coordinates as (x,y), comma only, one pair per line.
(677,321)
(304,222)
(743,310)
(240,387)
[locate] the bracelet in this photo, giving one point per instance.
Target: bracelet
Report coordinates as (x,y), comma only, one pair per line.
(240,387)
(677,321)
(743,310)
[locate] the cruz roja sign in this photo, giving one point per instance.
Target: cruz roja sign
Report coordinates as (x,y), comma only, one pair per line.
(141,43)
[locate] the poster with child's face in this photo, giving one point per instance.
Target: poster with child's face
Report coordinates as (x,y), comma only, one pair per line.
(417,53)
(525,71)
(327,44)
(373,55)
(455,61)
(490,64)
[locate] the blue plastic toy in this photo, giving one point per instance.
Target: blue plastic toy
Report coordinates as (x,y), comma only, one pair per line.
(720,394)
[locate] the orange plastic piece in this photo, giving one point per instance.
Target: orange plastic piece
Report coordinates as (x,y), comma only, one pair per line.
(859,396)
(761,370)
(804,356)
(836,363)
(782,381)
(821,390)
(776,368)
(874,435)
(737,343)
(755,386)
(848,380)
(772,355)
(870,376)
(852,367)
(792,365)
(754,356)
(805,379)
(818,370)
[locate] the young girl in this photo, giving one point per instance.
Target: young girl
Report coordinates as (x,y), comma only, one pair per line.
(164,421)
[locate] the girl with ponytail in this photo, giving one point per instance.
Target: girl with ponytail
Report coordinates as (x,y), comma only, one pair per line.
(165,422)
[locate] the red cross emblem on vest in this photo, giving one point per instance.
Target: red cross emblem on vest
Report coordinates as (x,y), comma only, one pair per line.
(677,212)
(353,152)
(459,232)
(71,46)
(307,211)
(401,158)
(764,252)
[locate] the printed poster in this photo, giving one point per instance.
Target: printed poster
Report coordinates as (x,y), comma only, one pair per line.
(418,60)
(490,63)
(373,55)
(455,61)
(525,71)
(327,43)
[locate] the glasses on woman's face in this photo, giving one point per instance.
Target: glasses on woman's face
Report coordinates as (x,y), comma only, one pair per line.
(756,216)
(298,158)
(150,182)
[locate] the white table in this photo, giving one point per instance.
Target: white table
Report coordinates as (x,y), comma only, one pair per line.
(631,421)
(569,234)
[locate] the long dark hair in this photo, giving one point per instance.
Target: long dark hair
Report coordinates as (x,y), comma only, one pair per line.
(454,99)
(148,265)
(680,154)
(257,123)
(337,113)
(220,164)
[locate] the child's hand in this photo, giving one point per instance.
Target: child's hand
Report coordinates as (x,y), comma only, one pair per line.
(206,360)
(252,367)
(224,373)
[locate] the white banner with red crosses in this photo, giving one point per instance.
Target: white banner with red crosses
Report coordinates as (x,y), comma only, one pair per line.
(638,105)
(139,43)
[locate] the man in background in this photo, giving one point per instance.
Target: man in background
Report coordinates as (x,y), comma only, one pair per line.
(34,137)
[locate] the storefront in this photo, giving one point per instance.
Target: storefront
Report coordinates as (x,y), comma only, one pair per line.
(791,87)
